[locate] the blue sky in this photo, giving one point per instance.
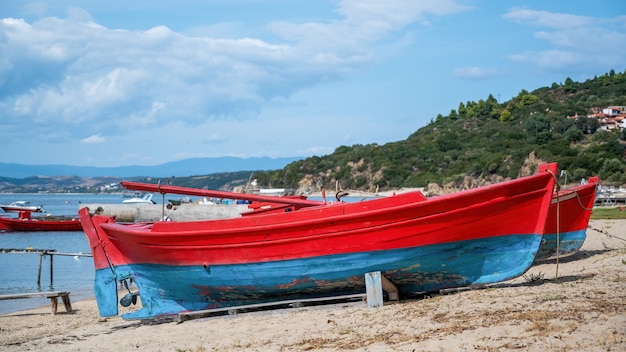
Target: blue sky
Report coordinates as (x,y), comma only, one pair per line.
(112,83)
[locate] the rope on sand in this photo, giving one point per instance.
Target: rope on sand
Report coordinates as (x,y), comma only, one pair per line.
(607,233)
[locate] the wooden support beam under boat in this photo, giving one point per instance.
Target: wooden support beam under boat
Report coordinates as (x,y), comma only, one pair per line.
(295,303)
(375,283)
(390,288)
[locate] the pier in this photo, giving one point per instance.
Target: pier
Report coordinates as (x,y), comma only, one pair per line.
(49,252)
(609,196)
(53,296)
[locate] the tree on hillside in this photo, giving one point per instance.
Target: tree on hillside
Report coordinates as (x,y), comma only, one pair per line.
(587,125)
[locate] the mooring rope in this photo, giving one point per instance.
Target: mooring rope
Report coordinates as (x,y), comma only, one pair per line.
(557,188)
(580,202)
(606,233)
(558,234)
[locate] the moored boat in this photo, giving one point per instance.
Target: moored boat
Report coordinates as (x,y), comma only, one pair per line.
(568,219)
(26,223)
(478,236)
(179,201)
(205,201)
(145,199)
(22,205)
(253,187)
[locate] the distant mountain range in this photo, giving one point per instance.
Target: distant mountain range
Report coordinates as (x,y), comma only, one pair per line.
(187,167)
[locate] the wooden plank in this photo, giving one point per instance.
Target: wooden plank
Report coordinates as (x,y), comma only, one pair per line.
(72,254)
(233,310)
(163,189)
(43,251)
(27,250)
(53,296)
(33,295)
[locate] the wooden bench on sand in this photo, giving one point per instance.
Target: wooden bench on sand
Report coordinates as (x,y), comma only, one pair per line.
(54,296)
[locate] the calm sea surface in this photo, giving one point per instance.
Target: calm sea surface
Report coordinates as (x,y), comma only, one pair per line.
(18,272)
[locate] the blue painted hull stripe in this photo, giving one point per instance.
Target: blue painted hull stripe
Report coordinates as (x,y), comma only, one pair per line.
(569,243)
(168,290)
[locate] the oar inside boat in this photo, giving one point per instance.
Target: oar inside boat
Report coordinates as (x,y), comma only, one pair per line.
(163,189)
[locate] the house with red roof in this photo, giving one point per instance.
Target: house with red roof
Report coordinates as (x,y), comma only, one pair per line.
(610,118)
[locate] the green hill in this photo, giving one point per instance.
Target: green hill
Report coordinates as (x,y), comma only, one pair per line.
(485,140)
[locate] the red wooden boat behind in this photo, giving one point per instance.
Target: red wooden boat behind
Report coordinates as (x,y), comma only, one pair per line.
(26,223)
(568,219)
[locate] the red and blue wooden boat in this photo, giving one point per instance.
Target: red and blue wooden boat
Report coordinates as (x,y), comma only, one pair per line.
(568,219)
(24,222)
(478,236)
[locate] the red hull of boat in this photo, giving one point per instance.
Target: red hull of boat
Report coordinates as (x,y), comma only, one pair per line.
(403,220)
(27,225)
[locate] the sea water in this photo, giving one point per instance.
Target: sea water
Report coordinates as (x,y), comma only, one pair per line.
(19,271)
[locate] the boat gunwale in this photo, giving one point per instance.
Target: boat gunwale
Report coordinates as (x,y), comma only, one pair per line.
(145,231)
(159,229)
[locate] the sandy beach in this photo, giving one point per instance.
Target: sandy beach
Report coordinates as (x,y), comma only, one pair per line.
(584,309)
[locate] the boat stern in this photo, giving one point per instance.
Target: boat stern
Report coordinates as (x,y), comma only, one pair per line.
(105,282)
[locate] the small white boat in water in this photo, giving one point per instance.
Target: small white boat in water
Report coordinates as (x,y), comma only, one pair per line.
(22,205)
(146,199)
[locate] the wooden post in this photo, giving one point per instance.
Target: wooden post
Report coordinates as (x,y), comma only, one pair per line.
(39,273)
(66,302)
(375,283)
(55,304)
(54,299)
(374,289)
(51,275)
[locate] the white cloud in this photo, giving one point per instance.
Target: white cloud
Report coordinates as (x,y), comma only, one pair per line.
(77,14)
(548,19)
(475,72)
(363,22)
(144,119)
(574,40)
(395,13)
(93,139)
(549,59)
(92,78)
